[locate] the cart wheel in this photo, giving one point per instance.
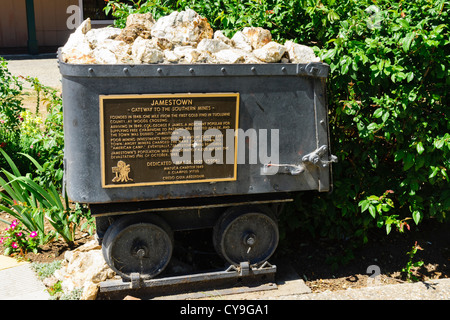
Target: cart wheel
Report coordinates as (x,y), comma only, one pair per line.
(246,235)
(136,244)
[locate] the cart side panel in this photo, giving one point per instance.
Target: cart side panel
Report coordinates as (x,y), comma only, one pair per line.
(289,102)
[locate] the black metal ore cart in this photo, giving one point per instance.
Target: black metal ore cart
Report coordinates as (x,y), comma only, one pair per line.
(118,127)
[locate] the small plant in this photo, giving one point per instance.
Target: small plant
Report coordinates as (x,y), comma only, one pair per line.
(18,241)
(410,265)
(379,208)
(66,220)
(25,200)
(45,270)
(75,294)
(55,290)
(31,204)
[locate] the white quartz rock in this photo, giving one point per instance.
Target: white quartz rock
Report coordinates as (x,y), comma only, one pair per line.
(181,51)
(104,56)
(84,267)
(78,47)
(299,53)
(144,51)
(218,35)
(240,41)
(170,56)
(96,36)
(230,56)
(112,52)
(257,37)
(212,45)
(143,19)
(182,28)
(270,53)
(187,54)
(250,58)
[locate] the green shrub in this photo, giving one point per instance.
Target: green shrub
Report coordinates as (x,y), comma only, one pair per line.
(43,139)
(388,101)
(389,112)
(10,109)
(22,131)
(10,100)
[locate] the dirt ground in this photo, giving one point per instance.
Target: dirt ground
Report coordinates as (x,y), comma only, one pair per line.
(313,259)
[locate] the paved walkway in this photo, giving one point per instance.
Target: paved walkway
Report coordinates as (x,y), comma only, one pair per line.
(45,69)
(19,282)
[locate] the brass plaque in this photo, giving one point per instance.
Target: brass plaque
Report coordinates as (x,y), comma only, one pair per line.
(168,139)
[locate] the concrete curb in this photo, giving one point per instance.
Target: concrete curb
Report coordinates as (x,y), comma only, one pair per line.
(438,289)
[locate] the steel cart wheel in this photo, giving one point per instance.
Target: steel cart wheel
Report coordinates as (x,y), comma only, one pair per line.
(136,244)
(246,235)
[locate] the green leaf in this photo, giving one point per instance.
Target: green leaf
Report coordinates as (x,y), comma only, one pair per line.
(439,143)
(345,64)
(408,161)
(399,155)
(10,162)
(434,172)
(417,215)
(385,116)
(378,113)
(372,211)
(420,148)
(444,173)
(403,23)
(328,54)
(364,205)
(388,228)
(407,41)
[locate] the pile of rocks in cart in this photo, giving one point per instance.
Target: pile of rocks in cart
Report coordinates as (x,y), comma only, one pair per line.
(181,37)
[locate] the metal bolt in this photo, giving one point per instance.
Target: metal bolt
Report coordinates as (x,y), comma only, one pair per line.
(159,70)
(250,239)
(140,253)
(223,70)
(191,70)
